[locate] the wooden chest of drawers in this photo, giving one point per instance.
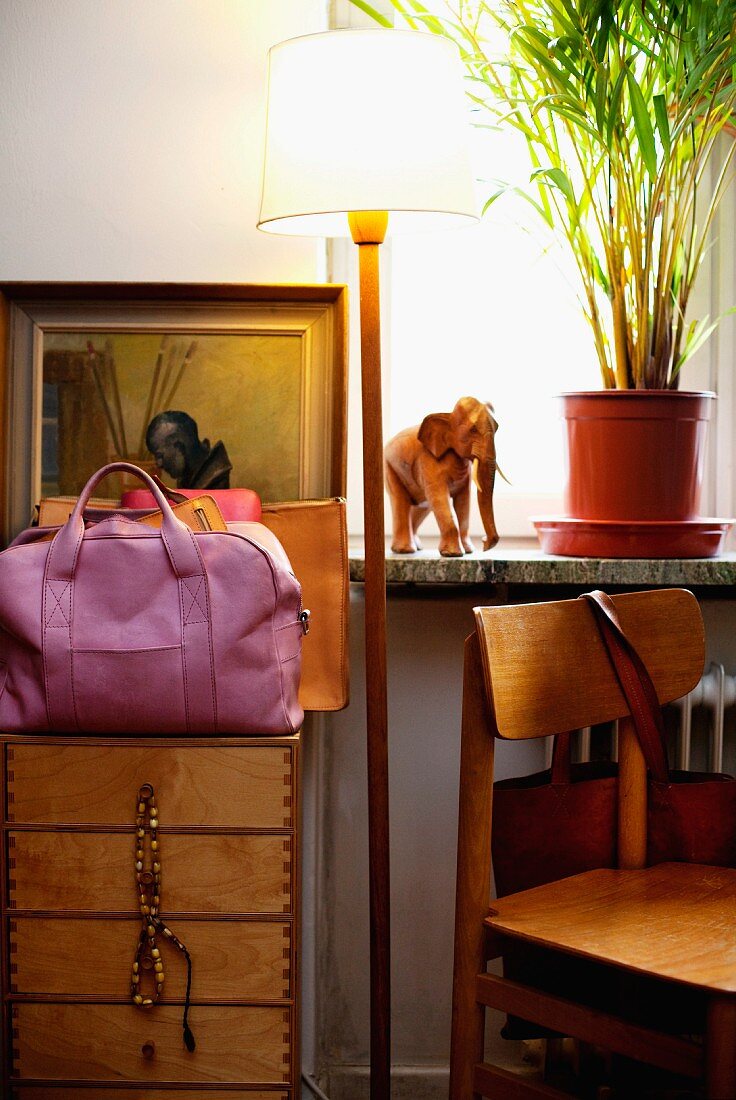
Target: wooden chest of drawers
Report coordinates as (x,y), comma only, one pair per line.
(229,853)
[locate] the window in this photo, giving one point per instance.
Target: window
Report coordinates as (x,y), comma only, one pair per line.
(492,311)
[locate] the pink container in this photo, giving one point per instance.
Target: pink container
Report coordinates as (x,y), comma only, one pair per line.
(236,505)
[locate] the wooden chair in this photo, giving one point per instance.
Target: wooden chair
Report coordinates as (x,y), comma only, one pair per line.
(538,669)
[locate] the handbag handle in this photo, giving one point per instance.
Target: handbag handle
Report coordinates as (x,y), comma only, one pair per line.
(177,537)
(635,682)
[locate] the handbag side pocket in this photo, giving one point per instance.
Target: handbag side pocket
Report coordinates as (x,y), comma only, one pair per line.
(289,641)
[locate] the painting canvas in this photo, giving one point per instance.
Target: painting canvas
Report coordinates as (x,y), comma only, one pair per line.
(220,411)
(234,386)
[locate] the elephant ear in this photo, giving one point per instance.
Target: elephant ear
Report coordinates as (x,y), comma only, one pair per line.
(435,433)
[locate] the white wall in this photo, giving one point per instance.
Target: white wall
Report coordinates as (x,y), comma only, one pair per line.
(131,137)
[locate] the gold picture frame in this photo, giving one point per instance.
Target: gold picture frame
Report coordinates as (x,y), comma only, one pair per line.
(85,366)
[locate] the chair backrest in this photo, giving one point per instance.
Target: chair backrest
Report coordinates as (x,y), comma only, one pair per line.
(546,668)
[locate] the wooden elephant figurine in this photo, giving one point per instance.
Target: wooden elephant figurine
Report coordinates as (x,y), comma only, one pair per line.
(428,467)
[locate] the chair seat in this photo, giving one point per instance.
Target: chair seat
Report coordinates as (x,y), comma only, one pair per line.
(675,921)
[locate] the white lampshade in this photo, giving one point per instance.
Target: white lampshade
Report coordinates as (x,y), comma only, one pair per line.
(365,120)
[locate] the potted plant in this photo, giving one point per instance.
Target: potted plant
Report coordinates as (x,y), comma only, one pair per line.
(621,105)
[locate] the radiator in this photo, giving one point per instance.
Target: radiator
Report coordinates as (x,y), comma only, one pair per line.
(710,699)
(715,692)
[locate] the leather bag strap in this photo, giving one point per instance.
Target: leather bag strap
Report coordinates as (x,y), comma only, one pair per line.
(635,682)
(171,494)
(194,602)
(561,772)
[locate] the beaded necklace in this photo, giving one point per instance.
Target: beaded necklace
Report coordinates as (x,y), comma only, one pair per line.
(148,961)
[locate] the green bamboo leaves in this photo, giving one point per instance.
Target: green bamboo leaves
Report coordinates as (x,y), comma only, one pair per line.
(624,107)
(663,123)
(378,16)
(642,124)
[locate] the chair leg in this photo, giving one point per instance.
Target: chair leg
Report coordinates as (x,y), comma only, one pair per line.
(720,1049)
(473,877)
(468,1034)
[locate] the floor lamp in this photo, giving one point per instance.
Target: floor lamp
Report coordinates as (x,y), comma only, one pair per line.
(367,133)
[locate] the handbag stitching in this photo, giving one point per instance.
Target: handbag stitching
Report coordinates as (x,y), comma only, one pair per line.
(284,707)
(295,627)
(182,585)
(275,582)
(48,582)
(127,649)
(44,596)
(195,601)
(204,582)
(77,548)
(57,602)
(183,653)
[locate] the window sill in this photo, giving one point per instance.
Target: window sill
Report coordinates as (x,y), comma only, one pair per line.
(519,562)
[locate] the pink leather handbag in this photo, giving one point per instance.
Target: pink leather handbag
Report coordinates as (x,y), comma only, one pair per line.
(123,628)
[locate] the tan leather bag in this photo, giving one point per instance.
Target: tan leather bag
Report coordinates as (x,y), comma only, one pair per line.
(314,535)
(199,513)
(55,511)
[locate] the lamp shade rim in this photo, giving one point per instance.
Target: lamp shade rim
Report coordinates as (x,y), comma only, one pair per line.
(440,219)
(347,30)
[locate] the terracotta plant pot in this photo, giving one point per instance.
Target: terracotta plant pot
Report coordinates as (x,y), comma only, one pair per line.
(635,457)
(635,454)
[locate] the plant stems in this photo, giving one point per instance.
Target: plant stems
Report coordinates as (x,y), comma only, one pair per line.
(620,103)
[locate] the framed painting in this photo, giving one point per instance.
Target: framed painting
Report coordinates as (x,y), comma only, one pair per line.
(210,386)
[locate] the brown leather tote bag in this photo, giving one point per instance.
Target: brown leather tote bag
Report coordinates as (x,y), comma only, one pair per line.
(691,816)
(555,823)
(562,821)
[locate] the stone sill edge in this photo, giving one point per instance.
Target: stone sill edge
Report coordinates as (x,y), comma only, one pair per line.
(531,566)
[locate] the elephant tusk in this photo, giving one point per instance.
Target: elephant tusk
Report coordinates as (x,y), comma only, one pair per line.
(503,475)
(476,462)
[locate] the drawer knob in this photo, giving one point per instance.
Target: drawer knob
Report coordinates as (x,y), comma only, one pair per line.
(148,1049)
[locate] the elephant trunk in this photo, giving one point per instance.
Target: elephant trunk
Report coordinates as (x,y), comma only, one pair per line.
(485,476)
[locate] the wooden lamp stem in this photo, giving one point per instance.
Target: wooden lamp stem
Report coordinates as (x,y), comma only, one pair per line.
(368,230)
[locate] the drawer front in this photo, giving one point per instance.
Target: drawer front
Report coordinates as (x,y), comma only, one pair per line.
(200,873)
(238,786)
(33,1093)
(115,1043)
(231,960)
